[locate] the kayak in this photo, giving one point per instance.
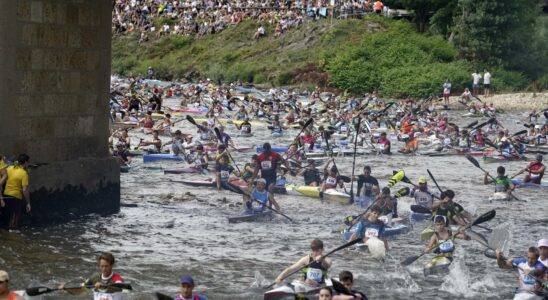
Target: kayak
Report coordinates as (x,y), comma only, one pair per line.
(438,265)
(124,125)
(187,170)
(161,156)
(502,158)
(125,169)
(460,152)
(473,115)
(196,110)
(250,216)
(232,121)
(520,184)
(27,297)
(233,186)
(276,134)
(419,217)
(329,194)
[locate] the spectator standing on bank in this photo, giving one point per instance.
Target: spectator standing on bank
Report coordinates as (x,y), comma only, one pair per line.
(476,77)
(486,83)
(446,92)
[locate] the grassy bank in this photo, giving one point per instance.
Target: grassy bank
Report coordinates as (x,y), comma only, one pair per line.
(358,55)
(232,54)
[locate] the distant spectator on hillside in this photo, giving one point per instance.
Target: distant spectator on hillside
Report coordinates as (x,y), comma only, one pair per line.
(259,33)
(150,73)
(476,76)
(446,91)
(378,7)
(486,83)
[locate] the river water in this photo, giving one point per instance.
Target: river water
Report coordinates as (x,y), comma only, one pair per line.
(176,229)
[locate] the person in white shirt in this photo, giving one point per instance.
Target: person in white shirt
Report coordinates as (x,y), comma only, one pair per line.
(486,83)
(543,251)
(476,76)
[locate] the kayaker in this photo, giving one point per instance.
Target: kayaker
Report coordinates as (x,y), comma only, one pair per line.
(16,191)
(383,144)
(535,170)
(543,251)
(293,153)
(205,132)
(307,139)
(224,170)
(245,127)
(313,265)
(311,174)
(261,194)
(388,205)
(422,195)
(502,182)
(479,138)
(249,168)
(154,146)
(176,143)
(187,290)
(370,187)
(325,293)
(5,293)
(447,196)
(529,270)
(442,241)
(411,144)
(268,162)
(241,114)
(225,138)
(199,160)
(100,282)
(443,208)
(370,226)
(331,177)
(347,279)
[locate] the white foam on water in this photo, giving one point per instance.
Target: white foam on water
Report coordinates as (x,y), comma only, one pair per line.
(501,236)
(259,280)
(376,248)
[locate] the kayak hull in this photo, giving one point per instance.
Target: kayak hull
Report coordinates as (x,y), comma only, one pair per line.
(419,217)
(252,217)
(519,183)
(437,266)
(329,195)
(147,158)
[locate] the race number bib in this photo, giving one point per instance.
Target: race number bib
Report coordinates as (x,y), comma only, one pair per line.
(331,181)
(225,174)
(371,232)
(107,296)
(446,246)
(314,274)
(266,165)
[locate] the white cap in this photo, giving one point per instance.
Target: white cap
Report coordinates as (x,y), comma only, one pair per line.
(543,243)
(4,276)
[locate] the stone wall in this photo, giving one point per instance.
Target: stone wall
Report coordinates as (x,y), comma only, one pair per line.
(54,85)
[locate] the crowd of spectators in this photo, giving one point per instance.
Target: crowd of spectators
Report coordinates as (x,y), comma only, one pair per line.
(200,17)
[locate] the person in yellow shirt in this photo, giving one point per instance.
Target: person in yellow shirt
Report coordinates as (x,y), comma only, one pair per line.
(17,188)
(3,177)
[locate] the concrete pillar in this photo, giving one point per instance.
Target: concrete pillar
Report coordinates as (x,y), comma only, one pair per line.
(54,86)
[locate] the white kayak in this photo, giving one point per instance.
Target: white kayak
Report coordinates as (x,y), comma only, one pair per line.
(501,196)
(294,290)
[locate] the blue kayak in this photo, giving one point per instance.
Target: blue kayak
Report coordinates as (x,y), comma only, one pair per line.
(160,156)
(419,217)
(520,183)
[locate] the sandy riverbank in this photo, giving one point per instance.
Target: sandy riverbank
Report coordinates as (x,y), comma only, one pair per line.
(514,101)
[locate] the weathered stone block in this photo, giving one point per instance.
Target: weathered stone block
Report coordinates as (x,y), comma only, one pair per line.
(29,34)
(72,14)
(23,59)
(84,126)
(37,59)
(74,38)
(37,11)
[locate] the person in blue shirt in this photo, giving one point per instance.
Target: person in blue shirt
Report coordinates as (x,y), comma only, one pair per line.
(187,288)
(370,226)
(531,271)
(261,194)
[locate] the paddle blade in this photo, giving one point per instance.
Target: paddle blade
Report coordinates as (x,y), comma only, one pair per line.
(410,260)
(355,241)
(490,253)
(519,133)
(345,178)
(307,123)
(122,285)
(472,160)
(218,134)
(402,192)
(191,119)
(340,288)
(39,290)
(396,178)
(478,237)
(485,217)
(420,209)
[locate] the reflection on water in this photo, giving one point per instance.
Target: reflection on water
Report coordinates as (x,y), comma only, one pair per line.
(177,230)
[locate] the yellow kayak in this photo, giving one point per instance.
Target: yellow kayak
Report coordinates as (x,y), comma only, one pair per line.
(232,121)
(329,194)
(437,265)
(157,116)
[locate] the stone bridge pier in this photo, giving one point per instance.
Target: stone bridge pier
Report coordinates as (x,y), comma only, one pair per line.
(54,87)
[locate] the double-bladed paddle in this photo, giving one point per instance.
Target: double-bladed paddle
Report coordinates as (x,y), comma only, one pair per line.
(481,219)
(274,210)
(352,219)
(357,131)
(40,290)
(322,257)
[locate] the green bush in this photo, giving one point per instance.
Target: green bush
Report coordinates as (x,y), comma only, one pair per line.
(542,82)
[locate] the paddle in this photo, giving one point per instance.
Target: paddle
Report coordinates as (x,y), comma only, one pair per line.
(472,124)
(354,160)
(434,179)
(274,210)
(519,133)
(40,290)
(322,257)
(476,163)
(302,129)
(220,138)
(161,296)
(481,219)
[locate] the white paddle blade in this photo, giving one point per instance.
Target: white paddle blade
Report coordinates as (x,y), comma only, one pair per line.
(376,247)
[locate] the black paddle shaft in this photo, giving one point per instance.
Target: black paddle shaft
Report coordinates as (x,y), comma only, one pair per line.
(354,160)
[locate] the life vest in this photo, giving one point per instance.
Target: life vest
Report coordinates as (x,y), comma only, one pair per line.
(535,166)
(502,184)
(445,246)
(261,197)
(12,295)
(315,271)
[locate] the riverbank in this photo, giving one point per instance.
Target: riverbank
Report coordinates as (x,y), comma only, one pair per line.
(513,101)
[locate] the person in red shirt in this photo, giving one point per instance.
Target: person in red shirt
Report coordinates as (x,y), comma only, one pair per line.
(267,163)
(5,292)
(383,144)
(536,171)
